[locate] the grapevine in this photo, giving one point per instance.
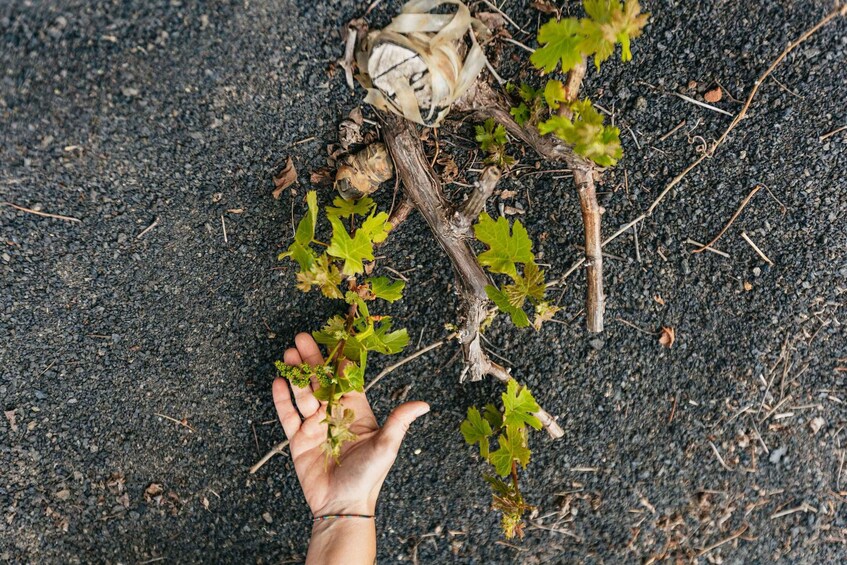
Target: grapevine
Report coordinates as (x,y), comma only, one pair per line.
(496,269)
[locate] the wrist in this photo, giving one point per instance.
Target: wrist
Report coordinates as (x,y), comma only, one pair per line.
(365,507)
(343,541)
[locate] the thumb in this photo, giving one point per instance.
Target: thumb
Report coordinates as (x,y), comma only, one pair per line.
(398,422)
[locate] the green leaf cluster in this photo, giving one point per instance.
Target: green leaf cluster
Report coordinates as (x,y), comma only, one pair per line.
(356,226)
(609,23)
(586,133)
(338,421)
(535,101)
(346,252)
(508,247)
(531,105)
(492,139)
(510,425)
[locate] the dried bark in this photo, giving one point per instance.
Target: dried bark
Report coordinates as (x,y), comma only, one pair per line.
(450,228)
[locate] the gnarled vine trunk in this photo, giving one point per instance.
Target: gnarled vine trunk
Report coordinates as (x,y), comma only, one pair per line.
(451,227)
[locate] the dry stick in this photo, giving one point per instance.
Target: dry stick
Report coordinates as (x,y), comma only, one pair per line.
(756,248)
(148,228)
(174,420)
(709,249)
(405,360)
(805,507)
(44,214)
(450,228)
(583,178)
(731,220)
(738,533)
(840,11)
(720,459)
(702,104)
(505,15)
(826,136)
(278,448)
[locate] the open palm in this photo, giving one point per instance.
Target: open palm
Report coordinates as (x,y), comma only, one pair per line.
(352,485)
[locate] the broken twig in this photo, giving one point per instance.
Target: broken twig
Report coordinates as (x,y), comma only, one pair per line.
(756,248)
(731,220)
(43,214)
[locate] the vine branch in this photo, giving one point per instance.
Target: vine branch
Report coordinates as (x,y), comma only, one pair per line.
(483,103)
(450,229)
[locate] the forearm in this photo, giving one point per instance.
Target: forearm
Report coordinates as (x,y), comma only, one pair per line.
(343,541)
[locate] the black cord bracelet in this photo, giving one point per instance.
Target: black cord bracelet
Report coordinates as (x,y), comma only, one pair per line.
(333,516)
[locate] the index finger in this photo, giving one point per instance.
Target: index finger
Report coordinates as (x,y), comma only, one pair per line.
(308,349)
(289,417)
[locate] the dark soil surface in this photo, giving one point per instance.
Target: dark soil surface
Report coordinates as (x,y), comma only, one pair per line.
(125,114)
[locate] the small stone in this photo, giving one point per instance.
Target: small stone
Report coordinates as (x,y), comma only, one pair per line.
(777,454)
(267,517)
(63,494)
(597,343)
(641,103)
(816,424)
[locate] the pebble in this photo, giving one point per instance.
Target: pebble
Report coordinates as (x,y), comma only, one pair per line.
(777,454)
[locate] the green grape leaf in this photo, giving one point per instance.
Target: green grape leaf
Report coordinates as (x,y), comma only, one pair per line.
(586,134)
(331,333)
(518,406)
(493,416)
(518,316)
(353,378)
(530,285)
(353,250)
(611,22)
(512,448)
(528,94)
(385,288)
(476,430)
(490,135)
(347,208)
(521,113)
(560,42)
(322,274)
(386,342)
(305,232)
(554,92)
(544,312)
(376,227)
(498,487)
(302,254)
(325,394)
(505,247)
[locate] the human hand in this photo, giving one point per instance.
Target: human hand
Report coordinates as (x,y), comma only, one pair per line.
(352,485)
